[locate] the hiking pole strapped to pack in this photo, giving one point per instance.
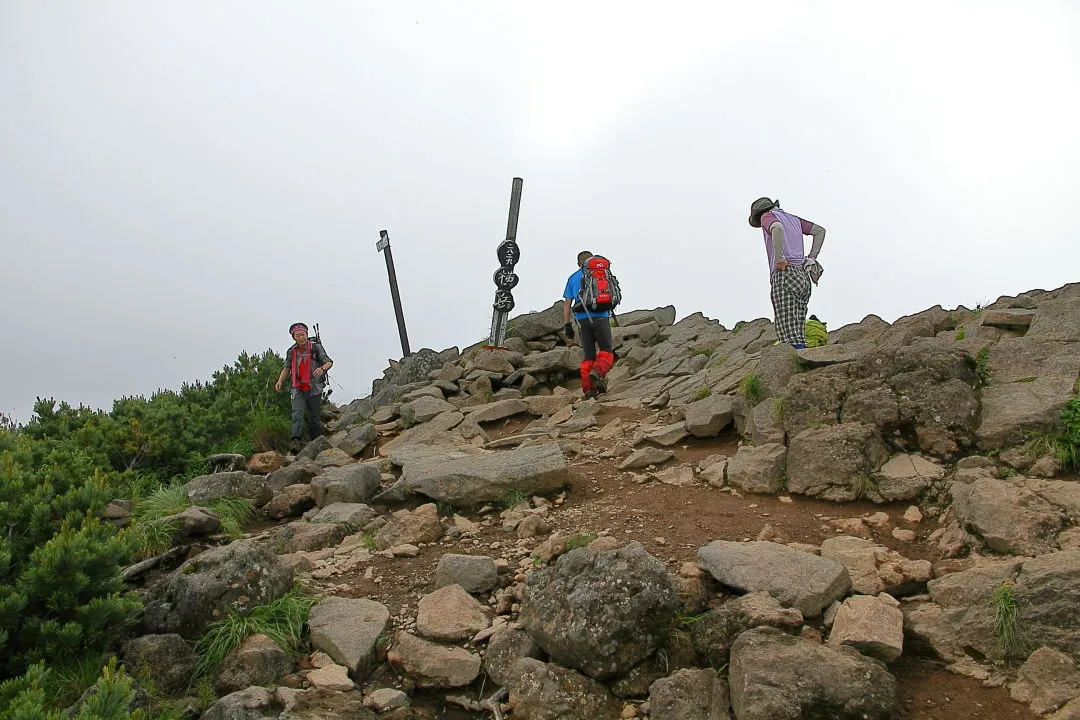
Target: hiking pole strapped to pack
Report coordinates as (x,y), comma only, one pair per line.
(328,391)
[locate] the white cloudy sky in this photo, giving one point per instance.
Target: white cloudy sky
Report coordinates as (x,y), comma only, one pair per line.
(180,181)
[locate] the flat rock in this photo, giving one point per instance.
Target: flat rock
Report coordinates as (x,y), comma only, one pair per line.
(470,480)
(873,625)
(431,665)
(806,582)
(450,614)
(347,629)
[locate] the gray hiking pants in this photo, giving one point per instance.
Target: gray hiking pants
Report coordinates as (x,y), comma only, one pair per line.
(311,402)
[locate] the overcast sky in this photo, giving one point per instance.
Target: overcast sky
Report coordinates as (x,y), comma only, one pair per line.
(180,181)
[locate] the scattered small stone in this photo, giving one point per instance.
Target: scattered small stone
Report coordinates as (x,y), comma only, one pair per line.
(904,535)
(913,515)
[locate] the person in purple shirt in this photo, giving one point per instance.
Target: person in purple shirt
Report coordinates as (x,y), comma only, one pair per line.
(791,273)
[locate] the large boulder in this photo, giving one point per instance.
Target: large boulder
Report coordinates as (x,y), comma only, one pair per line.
(473,479)
(238,484)
(1046,681)
(353,483)
(355,439)
(536,324)
(836,463)
(707,417)
(797,579)
(301,536)
(258,661)
(545,691)
(498,410)
(348,630)
(874,568)
(925,391)
(689,694)
(253,703)
(602,612)
(758,469)
(295,473)
(431,665)
(507,645)
(1012,410)
(421,525)
(872,625)
(959,620)
(474,573)
(713,634)
(905,477)
(168,659)
(235,577)
(1007,516)
(450,614)
(423,409)
(774,676)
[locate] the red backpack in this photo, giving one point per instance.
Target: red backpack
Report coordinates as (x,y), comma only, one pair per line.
(599,287)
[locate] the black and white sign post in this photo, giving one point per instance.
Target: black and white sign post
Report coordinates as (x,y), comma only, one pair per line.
(383,246)
(505,279)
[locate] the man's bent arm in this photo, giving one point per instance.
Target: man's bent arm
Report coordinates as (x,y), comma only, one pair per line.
(818,233)
(776,230)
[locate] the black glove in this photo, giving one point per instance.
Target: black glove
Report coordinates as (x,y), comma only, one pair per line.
(568,328)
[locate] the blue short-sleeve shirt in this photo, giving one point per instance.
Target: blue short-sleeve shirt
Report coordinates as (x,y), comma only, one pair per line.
(573,289)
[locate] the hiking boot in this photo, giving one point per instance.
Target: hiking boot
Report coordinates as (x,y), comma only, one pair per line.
(590,395)
(598,381)
(294,446)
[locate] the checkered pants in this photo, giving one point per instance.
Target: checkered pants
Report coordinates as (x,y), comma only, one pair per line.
(790,298)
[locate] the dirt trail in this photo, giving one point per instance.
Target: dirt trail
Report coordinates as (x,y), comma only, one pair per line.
(673,522)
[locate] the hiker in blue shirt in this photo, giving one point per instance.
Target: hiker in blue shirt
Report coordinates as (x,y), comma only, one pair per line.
(595,328)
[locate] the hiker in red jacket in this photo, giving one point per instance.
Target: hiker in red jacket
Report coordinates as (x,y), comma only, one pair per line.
(306,363)
(791,274)
(595,329)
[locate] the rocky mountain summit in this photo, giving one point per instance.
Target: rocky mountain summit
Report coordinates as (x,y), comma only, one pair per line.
(735,530)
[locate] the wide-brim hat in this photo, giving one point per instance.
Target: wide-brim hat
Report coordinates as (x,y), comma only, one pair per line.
(759,207)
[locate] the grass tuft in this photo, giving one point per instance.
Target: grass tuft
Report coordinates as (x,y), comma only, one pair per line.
(960,334)
(1010,636)
(281,620)
(982,365)
(235,514)
(513,498)
(701,393)
(579,540)
(752,388)
(863,486)
(166,500)
(778,409)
